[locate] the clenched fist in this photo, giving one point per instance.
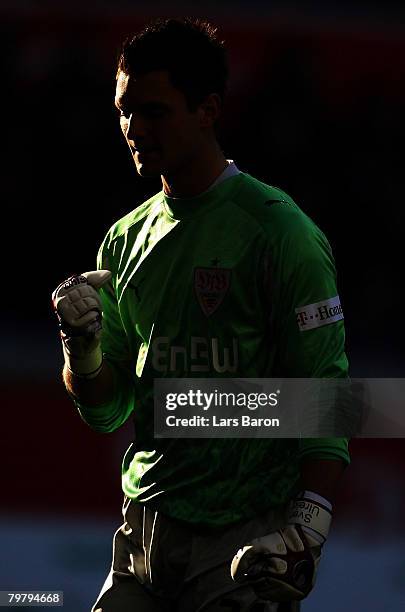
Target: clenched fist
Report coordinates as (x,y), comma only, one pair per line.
(78,307)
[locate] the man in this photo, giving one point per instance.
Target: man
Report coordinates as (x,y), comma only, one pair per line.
(209,524)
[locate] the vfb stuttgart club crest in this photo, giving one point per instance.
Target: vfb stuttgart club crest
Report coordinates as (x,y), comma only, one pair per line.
(211,286)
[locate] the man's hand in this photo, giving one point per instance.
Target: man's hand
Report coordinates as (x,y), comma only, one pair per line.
(282,566)
(79,311)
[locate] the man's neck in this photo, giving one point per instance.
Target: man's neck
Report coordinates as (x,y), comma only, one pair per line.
(197,177)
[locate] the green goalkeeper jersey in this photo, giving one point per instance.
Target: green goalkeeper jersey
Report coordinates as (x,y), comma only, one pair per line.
(218,285)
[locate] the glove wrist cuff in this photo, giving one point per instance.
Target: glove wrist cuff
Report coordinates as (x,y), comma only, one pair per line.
(311,511)
(84,367)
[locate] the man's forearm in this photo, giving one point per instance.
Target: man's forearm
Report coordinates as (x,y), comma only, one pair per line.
(321,476)
(94,391)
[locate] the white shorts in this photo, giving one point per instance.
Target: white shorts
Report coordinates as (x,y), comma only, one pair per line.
(165,565)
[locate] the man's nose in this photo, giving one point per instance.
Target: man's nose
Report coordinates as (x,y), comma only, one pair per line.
(136,128)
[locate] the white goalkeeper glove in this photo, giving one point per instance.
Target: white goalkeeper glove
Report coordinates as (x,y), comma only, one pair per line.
(282,566)
(78,308)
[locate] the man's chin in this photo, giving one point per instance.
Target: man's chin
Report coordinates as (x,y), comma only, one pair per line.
(148,170)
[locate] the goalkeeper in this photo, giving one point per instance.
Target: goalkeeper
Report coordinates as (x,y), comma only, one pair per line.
(203,279)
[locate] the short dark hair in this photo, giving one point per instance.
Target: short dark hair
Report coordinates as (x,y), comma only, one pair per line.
(187,48)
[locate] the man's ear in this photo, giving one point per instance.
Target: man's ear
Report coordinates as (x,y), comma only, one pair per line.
(209,110)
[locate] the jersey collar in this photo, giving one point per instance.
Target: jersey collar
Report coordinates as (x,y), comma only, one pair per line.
(180,208)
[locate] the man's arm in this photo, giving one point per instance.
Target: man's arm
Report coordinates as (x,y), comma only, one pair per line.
(98,378)
(91,392)
(301,275)
(321,476)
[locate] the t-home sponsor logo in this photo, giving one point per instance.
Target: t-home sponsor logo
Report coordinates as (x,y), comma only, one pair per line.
(319,314)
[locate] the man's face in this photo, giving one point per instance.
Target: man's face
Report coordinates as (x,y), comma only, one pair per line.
(162,133)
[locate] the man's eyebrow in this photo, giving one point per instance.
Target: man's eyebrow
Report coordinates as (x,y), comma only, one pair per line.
(120,107)
(144,106)
(121,102)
